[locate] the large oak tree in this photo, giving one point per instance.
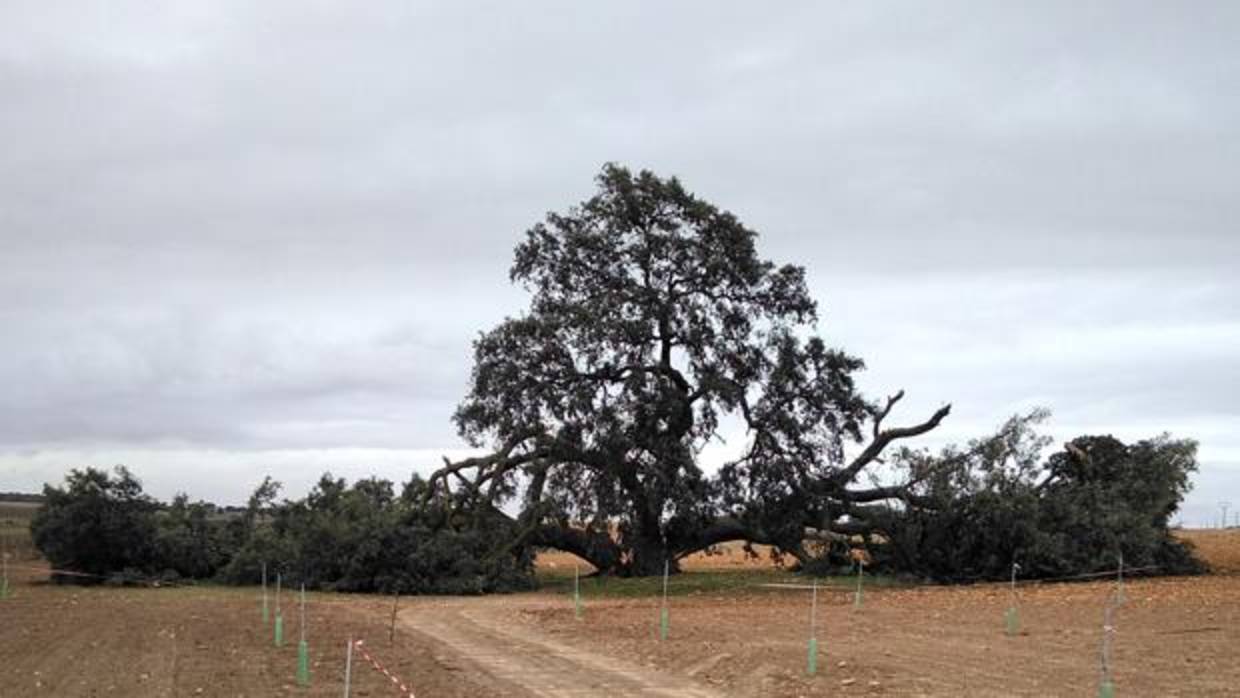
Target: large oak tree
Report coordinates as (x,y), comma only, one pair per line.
(652,321)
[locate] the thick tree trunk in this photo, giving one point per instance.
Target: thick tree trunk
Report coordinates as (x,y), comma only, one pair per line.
(646,557)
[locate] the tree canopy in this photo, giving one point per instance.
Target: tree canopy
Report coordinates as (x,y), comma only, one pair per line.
(652,318)
(97,523)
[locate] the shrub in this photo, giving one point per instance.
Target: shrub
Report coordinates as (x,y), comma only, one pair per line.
(97,523)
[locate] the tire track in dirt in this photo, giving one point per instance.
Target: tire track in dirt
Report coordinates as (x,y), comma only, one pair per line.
(476,631)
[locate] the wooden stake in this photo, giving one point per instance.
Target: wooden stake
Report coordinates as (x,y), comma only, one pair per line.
(302,621)
(1012,618)
(265,614)
(348,666)
(4,560)
(813,610)
(392,625)
(1119,592)
(577,590)
(279,634)
(860,576)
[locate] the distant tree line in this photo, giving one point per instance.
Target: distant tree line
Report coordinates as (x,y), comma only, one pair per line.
(987,505)
(21,497)
(348,538)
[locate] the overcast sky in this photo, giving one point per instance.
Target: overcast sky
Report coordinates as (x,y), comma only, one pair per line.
(249,238)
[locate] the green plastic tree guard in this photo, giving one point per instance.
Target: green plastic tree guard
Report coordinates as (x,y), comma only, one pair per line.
(279,630)
(303,663)
(1106,690)
(1011,620)
(811,667)
(663,616)
(577,591)
(860,592)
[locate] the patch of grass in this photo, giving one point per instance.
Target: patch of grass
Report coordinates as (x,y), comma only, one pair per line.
(688,583)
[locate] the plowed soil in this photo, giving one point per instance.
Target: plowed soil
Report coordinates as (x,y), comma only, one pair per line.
(1172,637)
(67,641)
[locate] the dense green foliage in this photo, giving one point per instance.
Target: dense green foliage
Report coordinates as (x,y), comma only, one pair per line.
(364,538)
(358,538)
(97,524)
(997,502)
(192,540)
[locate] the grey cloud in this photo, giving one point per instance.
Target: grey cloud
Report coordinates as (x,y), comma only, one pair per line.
(239,226)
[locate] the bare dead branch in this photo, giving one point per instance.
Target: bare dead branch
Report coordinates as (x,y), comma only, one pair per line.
(886,410)
(883,440)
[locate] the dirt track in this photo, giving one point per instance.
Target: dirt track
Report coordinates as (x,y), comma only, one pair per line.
(523,661)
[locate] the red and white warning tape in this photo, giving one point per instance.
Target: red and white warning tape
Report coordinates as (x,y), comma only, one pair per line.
(405,690)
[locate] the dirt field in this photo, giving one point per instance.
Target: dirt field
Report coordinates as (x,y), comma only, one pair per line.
(1221,548)
(1174,637)
(138,643)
